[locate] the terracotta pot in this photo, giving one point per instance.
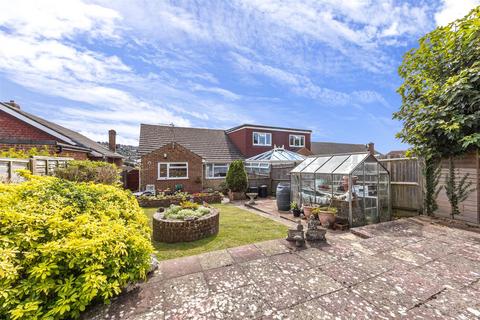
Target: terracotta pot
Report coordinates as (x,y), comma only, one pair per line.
(326,219)
(307,211)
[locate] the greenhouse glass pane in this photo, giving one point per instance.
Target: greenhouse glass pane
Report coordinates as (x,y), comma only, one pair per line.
(332,164)
(317,163)
(302,165)
(351,163)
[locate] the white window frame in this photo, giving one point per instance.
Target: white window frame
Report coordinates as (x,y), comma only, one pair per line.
(262,133)
(213,169)
(300,137)
(169,166)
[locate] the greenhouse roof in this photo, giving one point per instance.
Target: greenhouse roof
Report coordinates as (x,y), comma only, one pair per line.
(336,164)
(277,155)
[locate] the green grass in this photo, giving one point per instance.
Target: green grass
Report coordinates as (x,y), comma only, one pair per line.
(237,227)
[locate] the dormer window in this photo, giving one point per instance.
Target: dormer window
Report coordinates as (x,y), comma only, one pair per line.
(297,141)
(262,139)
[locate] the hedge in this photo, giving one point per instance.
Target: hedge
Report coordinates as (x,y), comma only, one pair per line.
(65,245)
(89,171)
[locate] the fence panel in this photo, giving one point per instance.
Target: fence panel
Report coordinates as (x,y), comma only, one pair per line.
(406,185)
(37,165)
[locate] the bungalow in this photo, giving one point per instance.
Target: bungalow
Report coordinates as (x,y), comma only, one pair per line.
(23,131)
(196,158)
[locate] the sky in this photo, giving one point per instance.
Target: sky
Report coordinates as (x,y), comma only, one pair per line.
(329,66)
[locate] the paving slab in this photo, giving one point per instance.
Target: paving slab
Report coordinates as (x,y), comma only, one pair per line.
(272,247)
(316,257)
(245,253)
(315,282)
(215,259)
(179,267)
(407,269)
(225,279)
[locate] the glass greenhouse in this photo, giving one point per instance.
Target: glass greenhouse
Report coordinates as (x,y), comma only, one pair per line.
(356,184)
(261,163)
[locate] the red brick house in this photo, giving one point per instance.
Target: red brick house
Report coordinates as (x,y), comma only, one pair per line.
(198,158)
(255,139)
(23,131)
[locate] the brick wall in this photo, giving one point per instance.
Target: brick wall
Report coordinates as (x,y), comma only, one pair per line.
(174,153)
(12,128)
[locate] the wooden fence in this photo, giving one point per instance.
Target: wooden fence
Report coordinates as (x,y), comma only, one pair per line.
(37,165)
(406,185)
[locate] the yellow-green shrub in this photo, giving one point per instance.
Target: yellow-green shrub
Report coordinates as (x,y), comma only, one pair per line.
(64,245)
(24,154)
(86,171)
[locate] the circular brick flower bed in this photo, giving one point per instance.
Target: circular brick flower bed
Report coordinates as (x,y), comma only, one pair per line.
(170,231)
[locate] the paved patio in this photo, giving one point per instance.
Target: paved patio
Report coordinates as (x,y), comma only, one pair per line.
(408,268)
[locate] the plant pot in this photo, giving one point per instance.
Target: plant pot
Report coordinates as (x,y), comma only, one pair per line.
(327,219)
(236,195)
(307,211)
(296,212)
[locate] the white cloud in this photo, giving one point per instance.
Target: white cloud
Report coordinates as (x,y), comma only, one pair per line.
(451,10)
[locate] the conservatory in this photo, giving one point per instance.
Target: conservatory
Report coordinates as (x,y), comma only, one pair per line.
(262,163)
(356,184)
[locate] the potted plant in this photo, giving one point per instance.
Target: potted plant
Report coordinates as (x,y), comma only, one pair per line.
(295,209)
(326,215)
(307,208)
(236,180)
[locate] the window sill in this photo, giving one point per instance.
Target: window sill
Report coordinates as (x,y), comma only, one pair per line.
(296,146)
(261,145)
(160,179)
(215,178)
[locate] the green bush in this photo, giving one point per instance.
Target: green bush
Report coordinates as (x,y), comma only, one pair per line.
(89,171)
(65,245)
(237,177)
(24,154)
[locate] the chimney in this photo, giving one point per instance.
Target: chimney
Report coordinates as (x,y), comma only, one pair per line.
(13,104)
(371,148)
(112,140)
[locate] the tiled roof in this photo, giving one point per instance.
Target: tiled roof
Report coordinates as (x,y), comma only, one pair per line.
(97,150)
(319,148)
(211,144)
(265,127)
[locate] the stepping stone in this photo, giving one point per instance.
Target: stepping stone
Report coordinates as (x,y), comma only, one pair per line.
(179,267)
(215,259)
(226,278)
(245,253)
(272,247)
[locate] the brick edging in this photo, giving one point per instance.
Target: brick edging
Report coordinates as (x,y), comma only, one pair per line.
(172,231)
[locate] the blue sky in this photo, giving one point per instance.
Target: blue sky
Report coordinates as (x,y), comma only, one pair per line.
(329,66)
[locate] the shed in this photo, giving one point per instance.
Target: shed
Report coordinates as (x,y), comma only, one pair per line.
(357,184)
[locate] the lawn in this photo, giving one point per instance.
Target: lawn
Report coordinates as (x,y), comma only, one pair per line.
(237,227)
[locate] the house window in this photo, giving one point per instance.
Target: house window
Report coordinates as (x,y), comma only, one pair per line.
(216,170)
(257,168)
(262,139)
(172,170)
(297,140)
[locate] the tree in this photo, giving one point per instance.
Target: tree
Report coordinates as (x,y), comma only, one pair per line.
(237,177)
(441,94)
(431,171)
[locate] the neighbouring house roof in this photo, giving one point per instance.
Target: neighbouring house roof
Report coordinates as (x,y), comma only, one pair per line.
(277,155)
(212,145)
(255,126)
(319,148)
(71,138)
